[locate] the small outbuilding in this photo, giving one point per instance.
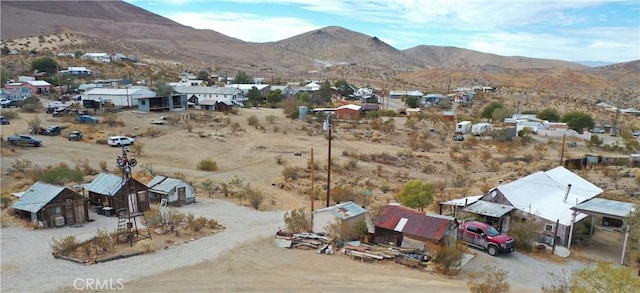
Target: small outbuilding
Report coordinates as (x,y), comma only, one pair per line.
(172,190)
(349,112)
(404,227)
(345,215)
(52,205)
(112,191)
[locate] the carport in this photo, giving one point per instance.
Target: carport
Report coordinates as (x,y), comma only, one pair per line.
(609,210)
(493,212)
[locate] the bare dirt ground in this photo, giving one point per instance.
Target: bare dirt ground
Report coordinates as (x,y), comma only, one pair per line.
(251,155)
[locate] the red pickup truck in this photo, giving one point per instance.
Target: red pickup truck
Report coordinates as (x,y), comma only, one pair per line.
(485,236)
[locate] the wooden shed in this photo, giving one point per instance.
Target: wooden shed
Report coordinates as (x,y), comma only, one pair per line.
(404,227)
(345,214)
(52,205)
(109,190)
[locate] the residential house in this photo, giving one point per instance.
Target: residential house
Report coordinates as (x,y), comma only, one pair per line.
(349,112)
(171,190)
(119,97)
(112,191)
(31,87)
(404,94)
(263,88)
(77,71)
(52,205)
(546,197)
(208,97)
(404,227)
(345,215)
(175,102)
(97,57)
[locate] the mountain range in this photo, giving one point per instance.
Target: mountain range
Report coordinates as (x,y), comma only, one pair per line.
(128,29)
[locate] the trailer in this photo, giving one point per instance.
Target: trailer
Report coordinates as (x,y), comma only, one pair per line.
(463,127)
(481,128)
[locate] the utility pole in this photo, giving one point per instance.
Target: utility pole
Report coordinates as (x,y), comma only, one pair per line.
(564,140)
(329,161)
(313,191)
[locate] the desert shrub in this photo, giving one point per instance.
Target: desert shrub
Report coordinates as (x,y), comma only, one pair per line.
(152,132)
(235,127)
(448,258)
(297,221)
(557,283)
(524,232)
(145,246)
(58,175)
(101,141)
(11,114)
(137,148)
(5,201)
(290,172)
(112,119)
(489,280)
(173,119)
(63,245)
(83,166)
(189,126)
(253,120)
(19,165)
(254,196)
(351,164)
(208,186)
(34,124)
(102,241)
(459,180)
(344,193)
(271,118)
(279,160)
(31,105)
(103,165)
(207,164)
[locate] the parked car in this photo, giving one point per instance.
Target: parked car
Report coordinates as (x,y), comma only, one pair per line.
(596,130)
(485,236)
(24,140)
(11,103)
(87,119)
(51,130)
(120,140)
(4,120)
(75,135)
(636,133)
(459,137)
(4,102)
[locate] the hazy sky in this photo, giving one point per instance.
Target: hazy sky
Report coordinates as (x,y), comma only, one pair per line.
(572,30)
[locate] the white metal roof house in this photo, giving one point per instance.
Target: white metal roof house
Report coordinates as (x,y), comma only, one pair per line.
(345,214)
(52,205)
(119,97)
(97,57)
(172,190)
(263,88)
(207,97)
(548,196)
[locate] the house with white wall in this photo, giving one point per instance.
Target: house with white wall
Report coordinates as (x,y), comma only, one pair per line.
(120,97)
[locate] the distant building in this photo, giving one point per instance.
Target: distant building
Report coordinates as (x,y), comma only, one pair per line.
(29,88)
(119,97)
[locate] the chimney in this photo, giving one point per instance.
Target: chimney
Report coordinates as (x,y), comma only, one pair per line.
(567,194)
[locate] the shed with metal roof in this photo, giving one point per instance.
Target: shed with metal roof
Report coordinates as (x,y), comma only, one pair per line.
(52,205)
(172,190)
(109,190)
(405,227)
(345,215)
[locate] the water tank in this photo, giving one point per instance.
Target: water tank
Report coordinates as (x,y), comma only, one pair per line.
(302,112)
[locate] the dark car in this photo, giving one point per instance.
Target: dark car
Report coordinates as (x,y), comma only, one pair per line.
(459,137)
(75,135)
(4,120)
(51,130)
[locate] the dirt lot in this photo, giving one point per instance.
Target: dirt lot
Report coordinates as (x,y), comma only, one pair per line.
(251,155)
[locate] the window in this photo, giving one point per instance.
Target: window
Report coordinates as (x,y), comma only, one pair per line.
(143,102)
(473,229)
(548,228)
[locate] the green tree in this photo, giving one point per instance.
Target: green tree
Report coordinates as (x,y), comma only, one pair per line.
(549,114)
(4,76)
(412,102)
(604,278)
(242,78)
(416,194)
(323,95)
(162,88)
(77,54)
(45,64)
(499,114)
(204,75)
(274,97)
(487,111)
(255,96)
(303,98)
(577,120)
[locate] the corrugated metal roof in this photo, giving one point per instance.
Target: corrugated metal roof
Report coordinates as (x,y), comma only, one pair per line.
(487,208)
(351,107)
(162,184)
(206,90)
(345,210)
(37,196)
(542,194)
(105,184)
(607,207)
(414,223)
(461,202)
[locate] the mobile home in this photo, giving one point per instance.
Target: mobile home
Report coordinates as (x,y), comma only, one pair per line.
(463,127)
(481,128)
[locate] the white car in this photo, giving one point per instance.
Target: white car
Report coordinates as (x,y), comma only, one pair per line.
(120,140)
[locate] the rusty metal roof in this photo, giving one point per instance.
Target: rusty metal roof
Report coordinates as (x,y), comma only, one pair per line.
(414,223)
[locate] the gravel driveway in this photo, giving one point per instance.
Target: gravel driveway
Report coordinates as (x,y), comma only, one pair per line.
(28,266)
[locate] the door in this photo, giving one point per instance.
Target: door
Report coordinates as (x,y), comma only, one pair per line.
(132,199)
(69,213)
(182,196)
